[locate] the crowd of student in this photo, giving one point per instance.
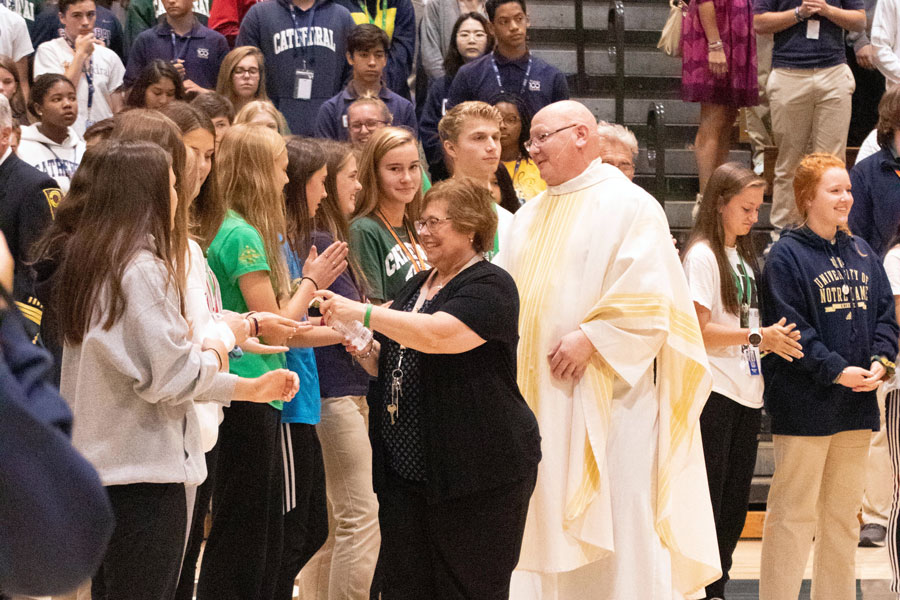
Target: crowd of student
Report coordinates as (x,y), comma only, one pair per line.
(209,218)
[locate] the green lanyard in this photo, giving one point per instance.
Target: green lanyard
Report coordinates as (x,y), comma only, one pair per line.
(745,294)
(384,8)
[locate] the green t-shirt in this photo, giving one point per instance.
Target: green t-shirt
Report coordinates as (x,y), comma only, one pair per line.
(386,266)
(237,250)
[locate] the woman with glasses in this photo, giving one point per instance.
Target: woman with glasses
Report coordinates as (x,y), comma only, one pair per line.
(242,77)
(471,39)
(455,446)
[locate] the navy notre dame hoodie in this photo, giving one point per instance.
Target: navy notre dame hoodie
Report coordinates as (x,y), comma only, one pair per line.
(318,44)
(839,296)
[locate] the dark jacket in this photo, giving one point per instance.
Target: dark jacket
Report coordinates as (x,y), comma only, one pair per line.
(875,215)
(55,519)
(27,201)
(400,24)
(478,431)
(804,278)
(434,109)
(319,43)
(331,121)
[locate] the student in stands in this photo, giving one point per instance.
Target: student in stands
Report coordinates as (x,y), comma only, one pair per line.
(218,108)
(721,269)
(367,53)
(304,43)
(510,67)
(156,86)
(382,240)
(15,46)
(242,77)
(365,116)
(397,19)
(515,129)
(145,14)
(51,144)
(436,35)
(11,87)
(107,28)
(196,51)
(471,39)
(260,112)
(95,70)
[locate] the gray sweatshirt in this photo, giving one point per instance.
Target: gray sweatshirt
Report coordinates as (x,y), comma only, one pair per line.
(132,388)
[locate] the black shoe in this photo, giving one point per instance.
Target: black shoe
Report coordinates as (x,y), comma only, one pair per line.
(872,535)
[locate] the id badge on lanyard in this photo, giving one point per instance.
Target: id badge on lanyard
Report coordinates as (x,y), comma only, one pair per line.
(750,320)
(303,79)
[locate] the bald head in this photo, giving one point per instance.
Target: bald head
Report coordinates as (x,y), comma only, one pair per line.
(572,143)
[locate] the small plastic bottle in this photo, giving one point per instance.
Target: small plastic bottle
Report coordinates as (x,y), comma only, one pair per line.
(354,332)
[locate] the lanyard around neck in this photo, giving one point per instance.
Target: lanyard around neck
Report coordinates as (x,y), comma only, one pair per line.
(187,42)
(744,283)
(524,81)
(304,50)
(384,8)
(418,265)
(88,69)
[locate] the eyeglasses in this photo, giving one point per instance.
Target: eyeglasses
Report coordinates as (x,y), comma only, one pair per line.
(371,125)
(240,72)
(431,224)
(537,142)
(478,35)
(511,120)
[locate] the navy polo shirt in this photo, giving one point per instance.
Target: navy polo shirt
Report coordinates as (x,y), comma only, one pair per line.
(202,51)
(793,50)
(332,118)
(478,81)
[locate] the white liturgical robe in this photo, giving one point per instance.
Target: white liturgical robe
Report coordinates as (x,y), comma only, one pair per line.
(621,509)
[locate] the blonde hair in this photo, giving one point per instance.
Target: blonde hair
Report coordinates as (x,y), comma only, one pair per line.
(451,124)
(251,109)
(225,83)
(245,173)
(375,101)
(382,141)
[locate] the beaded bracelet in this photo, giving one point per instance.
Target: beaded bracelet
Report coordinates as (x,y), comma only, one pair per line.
(889,367)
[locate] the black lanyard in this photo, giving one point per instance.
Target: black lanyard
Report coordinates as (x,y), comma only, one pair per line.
(305,49)
(524,81)
(88,69)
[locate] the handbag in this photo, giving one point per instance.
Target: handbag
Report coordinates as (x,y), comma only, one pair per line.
(670,38)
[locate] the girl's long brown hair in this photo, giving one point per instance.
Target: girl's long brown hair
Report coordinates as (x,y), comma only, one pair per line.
(247,182)
(111,229)
(329,217)
(305,157)
(141,124)
(382,141)
(725,183)
(224,83)
(206,211)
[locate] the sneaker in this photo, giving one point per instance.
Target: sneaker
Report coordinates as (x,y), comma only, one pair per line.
(872,536)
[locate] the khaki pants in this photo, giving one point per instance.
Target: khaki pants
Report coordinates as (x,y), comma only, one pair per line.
(810,113)
(815,493)
(759,124)
(876,505)
(342,569)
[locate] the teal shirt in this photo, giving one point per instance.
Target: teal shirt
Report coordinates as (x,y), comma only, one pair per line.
(237,250)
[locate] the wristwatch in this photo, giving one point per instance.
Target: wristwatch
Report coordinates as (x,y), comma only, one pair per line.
(754,338)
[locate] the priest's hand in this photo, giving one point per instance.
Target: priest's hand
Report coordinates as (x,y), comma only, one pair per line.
(570,356)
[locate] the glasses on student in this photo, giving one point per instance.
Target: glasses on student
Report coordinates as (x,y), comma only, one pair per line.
(240,72)
(478,35)
(431,223)
(511,120)
(536,142)
(371,125)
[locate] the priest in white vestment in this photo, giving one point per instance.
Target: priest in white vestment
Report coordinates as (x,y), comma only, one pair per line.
(612,362)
